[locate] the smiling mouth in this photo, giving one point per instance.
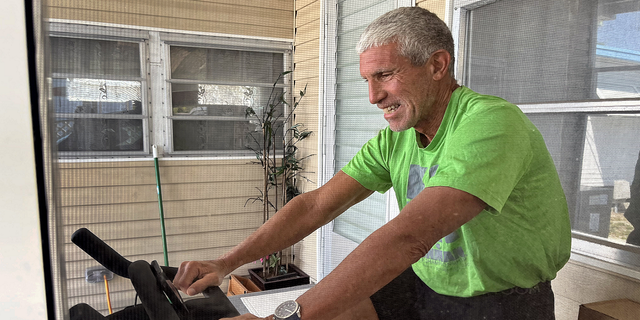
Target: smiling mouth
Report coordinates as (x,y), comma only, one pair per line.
(390,109)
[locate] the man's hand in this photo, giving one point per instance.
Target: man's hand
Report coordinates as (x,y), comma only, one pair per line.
(195,276)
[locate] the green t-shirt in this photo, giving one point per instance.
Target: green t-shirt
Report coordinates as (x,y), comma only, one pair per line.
(487,147)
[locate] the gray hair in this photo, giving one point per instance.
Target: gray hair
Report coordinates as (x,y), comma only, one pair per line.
(418,32)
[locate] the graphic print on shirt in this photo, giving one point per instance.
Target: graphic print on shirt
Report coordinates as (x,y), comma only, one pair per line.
(438,252)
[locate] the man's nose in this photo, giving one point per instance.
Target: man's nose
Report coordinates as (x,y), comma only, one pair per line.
(376,93)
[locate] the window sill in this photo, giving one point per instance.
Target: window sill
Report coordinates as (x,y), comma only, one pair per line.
(610,256)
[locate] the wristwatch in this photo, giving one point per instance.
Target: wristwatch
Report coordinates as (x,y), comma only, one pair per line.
(288,310)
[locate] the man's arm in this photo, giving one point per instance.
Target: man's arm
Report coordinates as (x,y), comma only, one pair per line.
(297,219)
(434,213)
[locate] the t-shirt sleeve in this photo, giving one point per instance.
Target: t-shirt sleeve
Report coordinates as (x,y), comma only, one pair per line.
(487,154)
(370,166)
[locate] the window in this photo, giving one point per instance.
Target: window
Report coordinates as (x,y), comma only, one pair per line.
(210,92)
(118,91)
(574,68)
(97,95)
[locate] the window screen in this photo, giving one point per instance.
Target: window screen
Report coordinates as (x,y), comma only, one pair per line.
(97,95)
(552,51)
(581,59)
(210,92)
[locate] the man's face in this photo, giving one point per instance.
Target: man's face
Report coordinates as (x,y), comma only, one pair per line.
(403,91)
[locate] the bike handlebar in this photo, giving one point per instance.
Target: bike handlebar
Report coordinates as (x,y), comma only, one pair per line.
(146,280)
(101,252)
(106,256)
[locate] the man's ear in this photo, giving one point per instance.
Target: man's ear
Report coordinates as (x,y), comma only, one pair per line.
(439,63)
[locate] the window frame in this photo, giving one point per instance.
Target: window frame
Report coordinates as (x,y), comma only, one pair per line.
(592,250)
(93,32)
(155,77)
(224,43)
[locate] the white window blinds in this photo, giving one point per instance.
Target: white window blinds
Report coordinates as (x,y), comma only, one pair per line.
(357,120)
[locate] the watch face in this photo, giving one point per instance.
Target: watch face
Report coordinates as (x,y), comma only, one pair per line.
(286,309)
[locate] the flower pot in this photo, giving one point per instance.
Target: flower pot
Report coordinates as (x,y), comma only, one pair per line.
(294,277)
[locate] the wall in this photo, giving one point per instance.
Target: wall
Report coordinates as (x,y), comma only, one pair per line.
(436,6)
(306,73)
(204,209)
(579,283)
(265,18)
(203,200)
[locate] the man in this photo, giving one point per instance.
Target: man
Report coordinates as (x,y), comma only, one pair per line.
(483,224)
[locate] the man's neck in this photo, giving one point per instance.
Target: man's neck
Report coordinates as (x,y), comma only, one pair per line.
(432,124)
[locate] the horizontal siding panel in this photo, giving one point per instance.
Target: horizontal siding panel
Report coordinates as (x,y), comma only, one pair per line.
(79,215)
(286,5)
(308,13)
(132,194)
(308,31)
(300,4)
(149,228)
(172,23)
(308,50)
(306,74)
(233,14)
(175,242)
(307,68)
(149,163)
(119,176)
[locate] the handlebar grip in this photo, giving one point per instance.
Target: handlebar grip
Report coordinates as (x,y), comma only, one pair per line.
(153,299)
(101,252)
(170,272)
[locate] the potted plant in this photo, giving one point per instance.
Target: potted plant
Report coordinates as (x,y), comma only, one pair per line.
(275,147)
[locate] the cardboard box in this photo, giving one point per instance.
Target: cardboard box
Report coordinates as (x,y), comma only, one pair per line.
(623,309)
(241,285)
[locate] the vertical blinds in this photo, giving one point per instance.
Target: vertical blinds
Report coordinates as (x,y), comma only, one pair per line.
(356,120)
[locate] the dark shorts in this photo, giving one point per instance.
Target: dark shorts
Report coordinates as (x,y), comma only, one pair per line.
(407,297)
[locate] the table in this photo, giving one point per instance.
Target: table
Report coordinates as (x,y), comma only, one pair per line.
(272,296)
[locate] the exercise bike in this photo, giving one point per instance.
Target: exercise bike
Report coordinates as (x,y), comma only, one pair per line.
(159,298)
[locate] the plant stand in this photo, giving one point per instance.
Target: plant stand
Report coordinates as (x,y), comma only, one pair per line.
(295,277)
(241,285)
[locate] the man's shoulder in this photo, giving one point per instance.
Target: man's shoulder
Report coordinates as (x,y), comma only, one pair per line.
(473,100)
